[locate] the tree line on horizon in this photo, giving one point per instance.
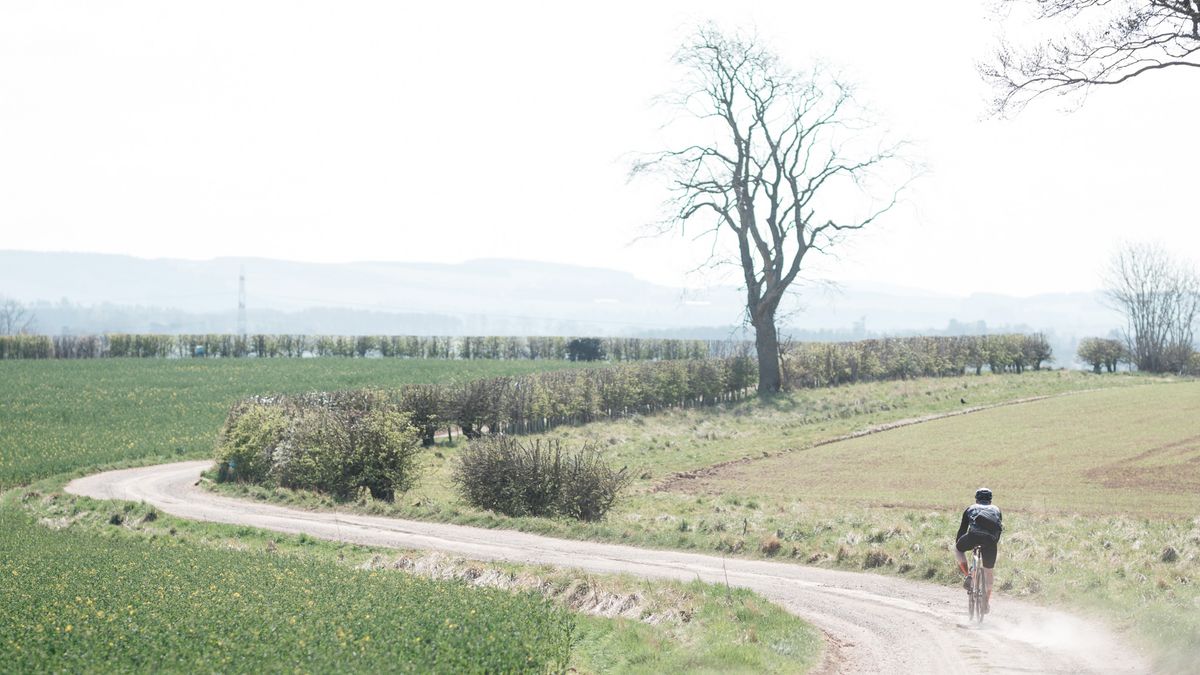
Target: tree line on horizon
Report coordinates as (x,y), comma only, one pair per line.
(816,364)
(225,345)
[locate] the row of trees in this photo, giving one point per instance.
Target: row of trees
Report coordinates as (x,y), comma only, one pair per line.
(362,346)
(1105,354)
(538,402)
(1102,353)
(823,364)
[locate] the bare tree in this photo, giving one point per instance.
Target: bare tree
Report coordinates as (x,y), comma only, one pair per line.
(1160,297)
(14,318)
(1119,40)
(783,165)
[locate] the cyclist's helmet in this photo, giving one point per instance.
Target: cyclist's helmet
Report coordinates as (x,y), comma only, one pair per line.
(983,496)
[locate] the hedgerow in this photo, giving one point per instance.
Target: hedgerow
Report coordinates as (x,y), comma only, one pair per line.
(819,364)
(342,442)
(540,401)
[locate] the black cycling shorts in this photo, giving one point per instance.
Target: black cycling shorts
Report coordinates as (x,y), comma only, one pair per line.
(970,540)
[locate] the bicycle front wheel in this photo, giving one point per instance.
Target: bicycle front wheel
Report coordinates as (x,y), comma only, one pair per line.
(979,592)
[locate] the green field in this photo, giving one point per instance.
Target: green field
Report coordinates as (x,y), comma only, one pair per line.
(61,416)
(131,554)
(68,417)
(72,601)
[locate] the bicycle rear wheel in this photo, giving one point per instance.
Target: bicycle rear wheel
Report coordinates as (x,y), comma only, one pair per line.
(979,588)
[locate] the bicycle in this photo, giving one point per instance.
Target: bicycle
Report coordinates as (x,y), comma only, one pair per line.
(977,604)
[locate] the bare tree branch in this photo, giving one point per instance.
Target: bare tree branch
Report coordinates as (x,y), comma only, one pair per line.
(1122,40)
(15,318)
(1160,298)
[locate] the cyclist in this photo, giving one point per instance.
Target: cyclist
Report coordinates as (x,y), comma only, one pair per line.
(981,526)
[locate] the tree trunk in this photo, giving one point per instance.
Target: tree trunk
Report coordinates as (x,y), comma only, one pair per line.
(766,341)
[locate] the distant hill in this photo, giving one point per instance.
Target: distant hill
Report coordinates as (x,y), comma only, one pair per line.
(527,297)
(122,293)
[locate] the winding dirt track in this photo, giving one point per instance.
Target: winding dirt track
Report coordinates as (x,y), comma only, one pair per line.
(872,623)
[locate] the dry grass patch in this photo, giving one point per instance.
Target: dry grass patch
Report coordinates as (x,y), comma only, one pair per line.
(1132,450)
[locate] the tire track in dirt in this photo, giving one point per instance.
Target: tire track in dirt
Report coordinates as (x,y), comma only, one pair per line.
(872,623)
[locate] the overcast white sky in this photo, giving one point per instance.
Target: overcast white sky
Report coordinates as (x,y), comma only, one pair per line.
(447,131)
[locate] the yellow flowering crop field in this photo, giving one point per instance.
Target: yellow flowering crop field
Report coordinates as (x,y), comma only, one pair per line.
(74,601)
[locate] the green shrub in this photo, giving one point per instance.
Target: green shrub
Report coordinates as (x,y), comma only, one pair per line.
(311,455)
(248,442)
(505,475)
(589,485)
(383,452)
(502,474)
(337,443)
(424,402)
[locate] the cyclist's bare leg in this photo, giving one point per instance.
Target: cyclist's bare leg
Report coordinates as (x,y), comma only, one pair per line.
(988,575)
(962,561)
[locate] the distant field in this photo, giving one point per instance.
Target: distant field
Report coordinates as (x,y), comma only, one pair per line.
(58,416)
(1132,451)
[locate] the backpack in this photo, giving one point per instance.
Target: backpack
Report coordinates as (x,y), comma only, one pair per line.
(986,521)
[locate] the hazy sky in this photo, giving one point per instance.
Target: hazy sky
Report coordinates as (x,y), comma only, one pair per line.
(448,131)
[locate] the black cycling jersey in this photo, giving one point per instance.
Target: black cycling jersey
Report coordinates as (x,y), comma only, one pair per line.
(981,526)
(981,519)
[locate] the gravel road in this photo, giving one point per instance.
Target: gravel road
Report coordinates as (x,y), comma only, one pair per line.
(872,623)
